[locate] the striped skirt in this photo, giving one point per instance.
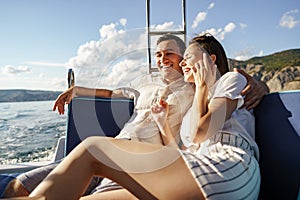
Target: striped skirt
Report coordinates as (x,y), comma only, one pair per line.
(225,168)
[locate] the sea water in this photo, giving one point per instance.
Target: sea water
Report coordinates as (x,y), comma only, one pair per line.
(29,131)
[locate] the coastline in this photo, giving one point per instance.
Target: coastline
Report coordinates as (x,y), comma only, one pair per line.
(23,95)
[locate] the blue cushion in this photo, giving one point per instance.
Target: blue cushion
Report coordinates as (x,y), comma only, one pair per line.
(278,136)
(96,116)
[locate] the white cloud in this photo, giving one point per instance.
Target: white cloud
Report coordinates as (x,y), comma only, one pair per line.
(199,18)
(211,6)
(123,21)
(229,27)
(48,64)
(248,53)
(243,26)
(245,54)
(242,57)
(288,20)
(221,32)
(164,26)
(123,72)
(107,31)
(112,60)
(12,70)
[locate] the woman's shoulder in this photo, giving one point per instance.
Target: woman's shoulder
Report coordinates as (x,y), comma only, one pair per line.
(233,79)
(230,85)
(234,76)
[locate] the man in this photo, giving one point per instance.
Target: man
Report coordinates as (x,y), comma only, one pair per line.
(146,90)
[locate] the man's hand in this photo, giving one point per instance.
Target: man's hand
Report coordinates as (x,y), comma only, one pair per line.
(254,91)
(64,98)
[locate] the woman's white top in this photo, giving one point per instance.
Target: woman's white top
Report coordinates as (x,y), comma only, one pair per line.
(241,122)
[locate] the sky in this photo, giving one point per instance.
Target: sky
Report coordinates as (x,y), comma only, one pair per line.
(104,41)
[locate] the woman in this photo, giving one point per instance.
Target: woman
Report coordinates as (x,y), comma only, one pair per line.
(220,159)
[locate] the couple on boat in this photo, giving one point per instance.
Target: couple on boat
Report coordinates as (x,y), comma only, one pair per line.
(191,135)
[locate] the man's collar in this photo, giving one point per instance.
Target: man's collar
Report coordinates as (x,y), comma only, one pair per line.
(180,79)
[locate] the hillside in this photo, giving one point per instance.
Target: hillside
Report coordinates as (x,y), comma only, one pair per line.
(27,95)
(278,60)
(281,71)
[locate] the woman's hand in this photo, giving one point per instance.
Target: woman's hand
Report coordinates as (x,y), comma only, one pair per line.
(159,112)
(204,72)
(64,98)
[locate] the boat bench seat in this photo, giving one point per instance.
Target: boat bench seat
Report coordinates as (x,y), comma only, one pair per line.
(94,117)
(277,120)
(277,129)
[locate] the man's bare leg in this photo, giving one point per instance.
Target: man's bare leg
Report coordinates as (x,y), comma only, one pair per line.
(25,198)
(15,189)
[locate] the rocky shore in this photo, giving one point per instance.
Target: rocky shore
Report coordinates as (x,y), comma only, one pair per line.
(281,71)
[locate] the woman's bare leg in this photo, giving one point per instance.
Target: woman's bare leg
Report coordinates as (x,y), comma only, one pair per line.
(147,171)
(111,195)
